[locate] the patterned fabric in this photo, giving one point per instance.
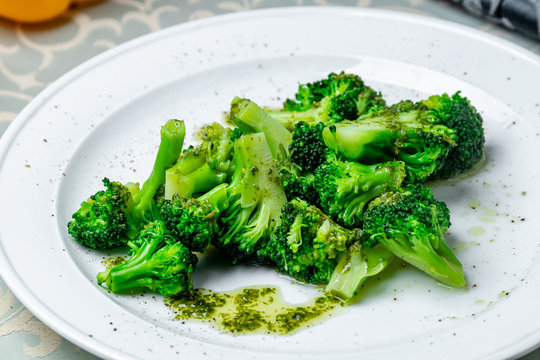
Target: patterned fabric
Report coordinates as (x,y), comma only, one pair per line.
(31,57)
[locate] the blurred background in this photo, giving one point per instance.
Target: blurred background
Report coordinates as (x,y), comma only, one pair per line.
(42,40)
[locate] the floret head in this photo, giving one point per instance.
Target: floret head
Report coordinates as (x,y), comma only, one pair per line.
(307,242)
(457,113)
(409,211)
(307,148)
(103,221)
(190,221)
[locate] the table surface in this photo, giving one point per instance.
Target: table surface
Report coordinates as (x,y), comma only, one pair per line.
(32,57)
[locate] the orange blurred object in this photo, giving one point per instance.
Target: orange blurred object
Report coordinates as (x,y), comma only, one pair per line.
(33,11)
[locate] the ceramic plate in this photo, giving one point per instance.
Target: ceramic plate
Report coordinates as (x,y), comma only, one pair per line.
(103,119)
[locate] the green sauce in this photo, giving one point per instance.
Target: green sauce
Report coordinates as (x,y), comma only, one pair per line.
(477,230)
(113,261)
(258,309)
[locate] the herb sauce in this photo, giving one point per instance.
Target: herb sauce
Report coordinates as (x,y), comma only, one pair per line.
(258,309)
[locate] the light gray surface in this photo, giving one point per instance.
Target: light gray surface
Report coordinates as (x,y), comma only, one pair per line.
(31,57)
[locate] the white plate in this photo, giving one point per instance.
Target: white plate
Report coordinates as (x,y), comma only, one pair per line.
(103,118)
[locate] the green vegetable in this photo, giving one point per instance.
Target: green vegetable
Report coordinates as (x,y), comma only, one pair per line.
(307,148)
(249,117)
(411,224)
(158,263)
(194,221)
(404,132)
(307,243)
(339,97)
(112,217)
(355,266)
(345,187)
(201,168)
(255,197)
(457,113)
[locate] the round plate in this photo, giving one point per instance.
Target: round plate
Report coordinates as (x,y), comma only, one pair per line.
(103,119)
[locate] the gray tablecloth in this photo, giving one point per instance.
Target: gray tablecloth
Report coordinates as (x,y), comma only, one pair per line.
(31,57)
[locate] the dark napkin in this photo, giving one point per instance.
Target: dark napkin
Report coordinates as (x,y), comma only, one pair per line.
(519,15)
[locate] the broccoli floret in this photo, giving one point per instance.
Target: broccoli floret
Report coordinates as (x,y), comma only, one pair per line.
(345,187)
(405,132)
(104,221)
(110,218)
(193,221)
(310,93)
(255,201)
(458,114)
(411,224)
(355,266)
(158,262)
(337,98)
(307,148)
(203,167)
(298,184)
(249,117)
(307,243)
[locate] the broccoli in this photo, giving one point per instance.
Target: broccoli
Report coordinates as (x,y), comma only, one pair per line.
(337,98)
(354,266)
(437,138)
(113,216)
(405,132)
(298,184)
(345,187)
(307,148)
(307,243)
(158,262)
(411,224)
(201,168)
(194,221)
(249,117)
(458,114)
(255,200)
(105,220)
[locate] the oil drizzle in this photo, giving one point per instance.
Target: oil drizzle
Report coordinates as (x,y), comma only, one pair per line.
(258,309)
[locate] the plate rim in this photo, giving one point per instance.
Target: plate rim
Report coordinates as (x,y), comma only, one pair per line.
(41,311)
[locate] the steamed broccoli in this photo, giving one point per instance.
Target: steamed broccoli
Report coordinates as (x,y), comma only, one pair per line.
(354,266)
(158,262)
(339,97)
(105,220)
(456,113)
(307,148)
(250,118)
(411,223)
(403,132)
(194,221)
(110,218)
(298,184)
(345,187)
(436,138)
(255,200)
(203,167)
(307,243)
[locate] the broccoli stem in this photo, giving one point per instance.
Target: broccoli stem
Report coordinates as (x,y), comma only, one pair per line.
(249,117)
(172,140)
(289,118)
(198,181)
(218,197)
(354,267)
(360,140)
(432,256)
